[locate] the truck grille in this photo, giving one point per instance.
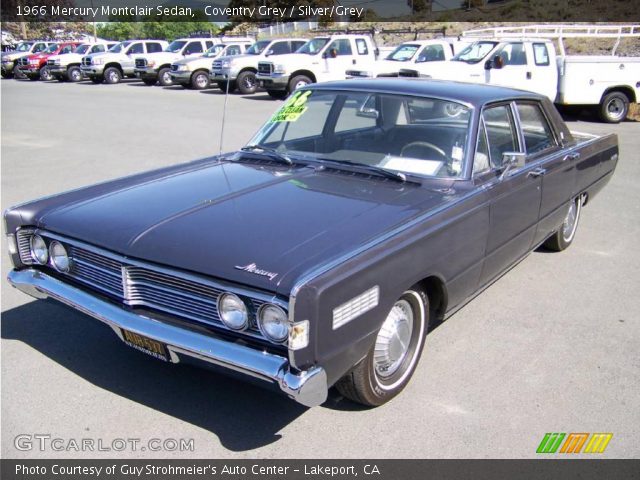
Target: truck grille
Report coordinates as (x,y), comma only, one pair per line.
(86,61)
(51,63)
(141,63)
(265,68)
(23,61)
(217,65)
(138,284)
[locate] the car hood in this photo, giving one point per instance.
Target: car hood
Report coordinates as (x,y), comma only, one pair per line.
(71,57)
(456,70)
(220,218)
(14,55)
(160,57)
(294,60)
(195,61)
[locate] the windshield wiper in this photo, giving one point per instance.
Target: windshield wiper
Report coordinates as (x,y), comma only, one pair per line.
(271,152)
(399,177)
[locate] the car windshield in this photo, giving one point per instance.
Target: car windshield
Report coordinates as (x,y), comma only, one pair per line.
(175,46)
(52,48)
(23,47)
(396,133)
(314,46)
(475,52)
(82,48)
(117,48)
(214,51)
(403,53)
(258,47)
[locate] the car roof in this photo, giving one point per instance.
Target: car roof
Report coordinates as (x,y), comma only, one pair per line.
(470,93)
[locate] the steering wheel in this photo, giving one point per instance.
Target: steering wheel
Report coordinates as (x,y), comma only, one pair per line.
(421,144)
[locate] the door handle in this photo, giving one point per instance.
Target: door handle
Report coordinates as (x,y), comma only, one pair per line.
(571,156)
(537,172)
(528,75)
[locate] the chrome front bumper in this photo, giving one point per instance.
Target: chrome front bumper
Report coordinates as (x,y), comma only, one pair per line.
(307,387)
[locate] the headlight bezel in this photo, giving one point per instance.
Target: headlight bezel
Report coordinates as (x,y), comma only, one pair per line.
(39,261)
(63,268)
(263,329)
(237,328)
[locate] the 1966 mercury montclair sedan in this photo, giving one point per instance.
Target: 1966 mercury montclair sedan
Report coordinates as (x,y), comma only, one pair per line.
(319,254)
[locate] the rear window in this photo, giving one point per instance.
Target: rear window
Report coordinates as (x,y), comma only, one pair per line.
(540,54)
(153,47)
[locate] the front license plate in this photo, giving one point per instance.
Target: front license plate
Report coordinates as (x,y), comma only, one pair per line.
(145,344)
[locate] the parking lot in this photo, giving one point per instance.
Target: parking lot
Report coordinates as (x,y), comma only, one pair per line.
(550,347)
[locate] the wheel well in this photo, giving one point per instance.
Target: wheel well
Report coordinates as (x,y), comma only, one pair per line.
(627,91)
(248,69)
(114,65)
(166,65)
(306,73)
(72,65)
(436,291)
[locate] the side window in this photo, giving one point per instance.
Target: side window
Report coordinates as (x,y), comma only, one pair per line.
(431,53)
(193,47)
(481,159)
(513,54)
(66,49)
(353,115)
(342,47)
(233,50)
(40,47)
(153,47)
(501,135)
(540,54)
(295,45)
(135,49)
(538,135)
(97,48)
(208,44)
(280,48)
(361,46)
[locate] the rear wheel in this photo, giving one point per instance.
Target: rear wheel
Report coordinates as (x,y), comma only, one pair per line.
(199,80)
(392,359)
(247,82)
(277,94)
(112,75)
(164,77)
(7,75)
(562,239)
(74,74)
(614,107)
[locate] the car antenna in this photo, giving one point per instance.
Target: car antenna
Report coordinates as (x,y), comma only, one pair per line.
(224,114)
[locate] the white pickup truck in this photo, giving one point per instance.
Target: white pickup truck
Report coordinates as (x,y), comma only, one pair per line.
(319,60)
(431,53)
(512,58)
(67,66)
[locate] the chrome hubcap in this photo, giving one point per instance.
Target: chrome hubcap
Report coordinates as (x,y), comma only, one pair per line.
(300,85)
(201,81)
(166,78)
(113,77)
(615,108)
(75,75)
(568,226)
(392,343)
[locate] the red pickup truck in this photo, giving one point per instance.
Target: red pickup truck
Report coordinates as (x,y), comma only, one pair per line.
(35,66)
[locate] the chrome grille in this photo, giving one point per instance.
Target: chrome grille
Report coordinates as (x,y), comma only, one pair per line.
(265,68)
(141,63)
(217,65)
(23,61)
(96,271)
(86,61)
(24,246)
(51,62)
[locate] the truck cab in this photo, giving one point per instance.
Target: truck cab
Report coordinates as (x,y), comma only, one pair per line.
(319,60)
(67,66)
(194,72)
(118,62)
(10,59)
(156,66)
(241,71)
(431,53)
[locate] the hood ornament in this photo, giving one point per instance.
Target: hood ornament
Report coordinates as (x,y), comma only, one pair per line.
(253,268)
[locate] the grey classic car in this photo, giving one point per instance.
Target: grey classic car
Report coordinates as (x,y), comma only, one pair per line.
(318,255)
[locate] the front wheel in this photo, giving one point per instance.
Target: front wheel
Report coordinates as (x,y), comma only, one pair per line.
(247,82)
(112,75)
(45,74)
(74,74)
(298,81)
(562,239)
(199,80)
(164,77)
(392,359)
(614,107)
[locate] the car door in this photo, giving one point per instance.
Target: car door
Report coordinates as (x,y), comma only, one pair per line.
(550,162)
(338,57)
(136,49)
(514,197)
(513,69)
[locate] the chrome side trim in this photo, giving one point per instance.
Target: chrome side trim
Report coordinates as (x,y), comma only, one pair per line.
(307,387)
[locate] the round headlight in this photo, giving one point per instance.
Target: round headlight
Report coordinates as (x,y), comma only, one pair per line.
(39,250)
(273,323)
(233,311)
(59,257)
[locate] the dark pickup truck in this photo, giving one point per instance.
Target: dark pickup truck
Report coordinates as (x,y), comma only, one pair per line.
(318,255)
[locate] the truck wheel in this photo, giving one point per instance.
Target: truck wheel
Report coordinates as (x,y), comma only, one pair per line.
(7,75)
(562,239)
(164,77)
(200,80)
(33,78)
(149,81)
(614,107)
(74,74)
(96,80)
(112,75)
(298,81)
(277,94)
(247,82)
(222,85)
(392,359)
(45,74)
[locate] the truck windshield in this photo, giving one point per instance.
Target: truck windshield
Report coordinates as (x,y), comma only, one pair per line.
(82,49)
(119,47)
(403,53)
(175,46)
(214,51)
(258,47)
(418,136)
(23,47)
(312,47)
(475,52)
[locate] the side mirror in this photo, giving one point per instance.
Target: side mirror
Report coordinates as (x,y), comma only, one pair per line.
(269,52)
(331,53)
(512,161)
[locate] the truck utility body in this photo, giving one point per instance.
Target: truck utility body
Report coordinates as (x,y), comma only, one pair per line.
(321,59)
(526,58)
